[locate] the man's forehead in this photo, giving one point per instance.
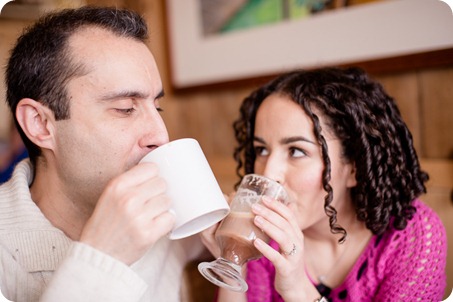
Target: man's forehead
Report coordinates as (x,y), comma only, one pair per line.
(90,32)
(89,43)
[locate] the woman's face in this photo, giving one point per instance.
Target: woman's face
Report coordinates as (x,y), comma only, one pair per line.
(287,151)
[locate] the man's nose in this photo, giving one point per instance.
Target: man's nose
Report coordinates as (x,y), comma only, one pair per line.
(154,132)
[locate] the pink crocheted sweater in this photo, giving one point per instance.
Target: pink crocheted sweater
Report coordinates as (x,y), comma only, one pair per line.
(407,265)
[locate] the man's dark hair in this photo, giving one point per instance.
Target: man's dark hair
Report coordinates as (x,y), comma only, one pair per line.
(41,65)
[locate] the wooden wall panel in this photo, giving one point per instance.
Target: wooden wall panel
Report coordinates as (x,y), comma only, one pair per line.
(9,31)
(436,101)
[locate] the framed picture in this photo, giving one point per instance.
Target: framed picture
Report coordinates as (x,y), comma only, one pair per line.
(380,29)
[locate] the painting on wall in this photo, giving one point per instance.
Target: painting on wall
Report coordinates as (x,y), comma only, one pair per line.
(215,41)
(224,16)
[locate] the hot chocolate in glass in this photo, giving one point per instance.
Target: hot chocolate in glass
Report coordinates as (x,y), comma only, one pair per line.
(237,231)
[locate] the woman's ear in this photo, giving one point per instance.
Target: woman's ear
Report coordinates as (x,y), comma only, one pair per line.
(351,178)
(37,122)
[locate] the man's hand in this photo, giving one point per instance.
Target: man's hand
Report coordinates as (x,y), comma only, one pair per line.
(131,215)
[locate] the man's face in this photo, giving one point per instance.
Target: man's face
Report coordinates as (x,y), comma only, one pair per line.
(114,119)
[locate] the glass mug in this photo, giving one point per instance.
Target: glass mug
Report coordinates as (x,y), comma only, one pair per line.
(236,233)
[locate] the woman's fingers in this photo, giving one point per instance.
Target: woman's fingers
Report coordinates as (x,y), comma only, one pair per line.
(278,222)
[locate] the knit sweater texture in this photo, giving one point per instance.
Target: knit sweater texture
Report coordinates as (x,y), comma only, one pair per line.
(407,265)
(38,262)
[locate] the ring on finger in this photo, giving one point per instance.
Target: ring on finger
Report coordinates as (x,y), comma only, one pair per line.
(292,251)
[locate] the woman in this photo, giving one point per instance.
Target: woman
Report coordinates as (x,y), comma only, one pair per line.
(354,229)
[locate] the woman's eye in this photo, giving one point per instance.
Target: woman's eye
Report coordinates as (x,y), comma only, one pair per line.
(295,152)
(261,151)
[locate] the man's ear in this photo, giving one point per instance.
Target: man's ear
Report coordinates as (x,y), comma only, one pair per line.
(351,180)
(37,121)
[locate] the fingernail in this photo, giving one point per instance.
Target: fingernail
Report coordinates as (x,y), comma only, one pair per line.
(266,199)
(259,220)
(258,242)
(171,211)
(257,208)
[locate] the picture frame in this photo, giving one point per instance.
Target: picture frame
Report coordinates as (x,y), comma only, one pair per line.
(366,32)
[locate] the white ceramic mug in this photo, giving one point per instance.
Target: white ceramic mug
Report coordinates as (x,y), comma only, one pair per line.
(197,199)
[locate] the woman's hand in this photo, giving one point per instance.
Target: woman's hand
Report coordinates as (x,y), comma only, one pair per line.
(279,222)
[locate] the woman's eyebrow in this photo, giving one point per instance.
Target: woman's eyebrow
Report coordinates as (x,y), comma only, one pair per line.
(286,140)
(258,139)
(293,139)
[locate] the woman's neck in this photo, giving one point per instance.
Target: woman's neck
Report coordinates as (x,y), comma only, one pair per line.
(327,260)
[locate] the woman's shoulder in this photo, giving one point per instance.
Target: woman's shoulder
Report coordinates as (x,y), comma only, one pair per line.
(424,233)
(426,220)
(404,262)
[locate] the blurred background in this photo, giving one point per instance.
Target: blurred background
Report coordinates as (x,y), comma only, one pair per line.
(421,83)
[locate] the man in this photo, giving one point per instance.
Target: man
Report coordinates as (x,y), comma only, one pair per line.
(81,221)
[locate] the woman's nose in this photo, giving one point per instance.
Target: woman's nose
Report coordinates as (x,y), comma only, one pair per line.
(274,169)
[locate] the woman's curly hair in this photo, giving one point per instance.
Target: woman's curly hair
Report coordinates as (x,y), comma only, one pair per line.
(373,135)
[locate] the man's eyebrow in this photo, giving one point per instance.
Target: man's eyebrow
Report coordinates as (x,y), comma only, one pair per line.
(116,95)
(125,94)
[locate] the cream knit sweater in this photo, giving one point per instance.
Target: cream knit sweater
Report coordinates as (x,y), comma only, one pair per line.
(38,262)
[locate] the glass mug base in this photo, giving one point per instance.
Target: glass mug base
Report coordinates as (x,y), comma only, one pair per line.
(224,274)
